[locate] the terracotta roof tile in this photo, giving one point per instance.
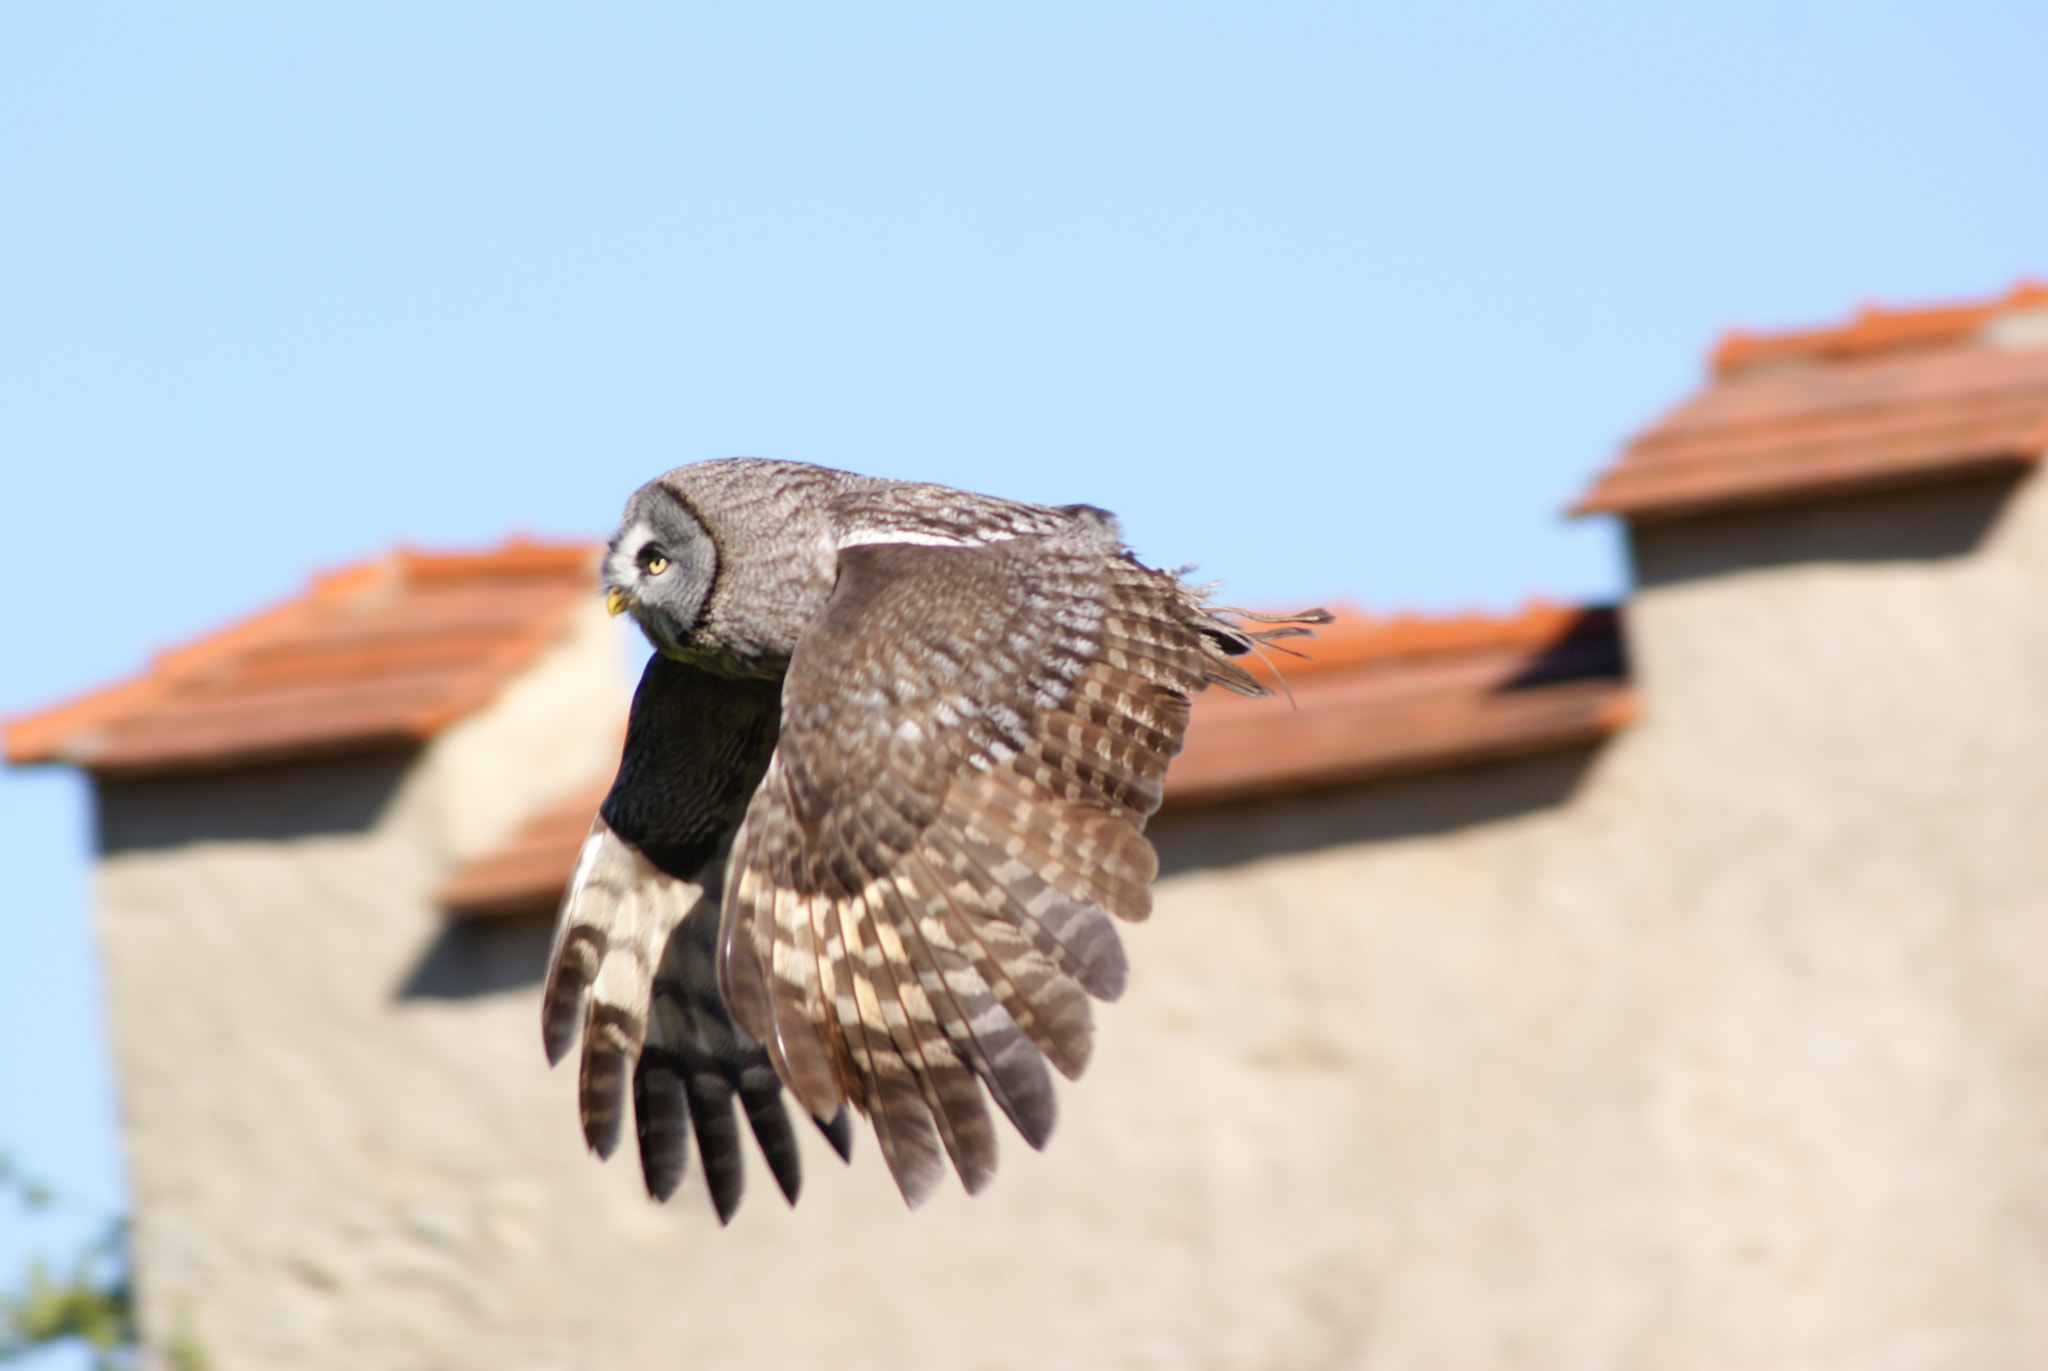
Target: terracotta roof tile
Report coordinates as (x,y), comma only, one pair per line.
(1386,697)
(531,869)
(383,653)
(1875,329)
(1895,397)
(1381,697)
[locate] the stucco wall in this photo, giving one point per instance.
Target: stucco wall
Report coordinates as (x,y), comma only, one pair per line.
(1724,1046)
(294,1120)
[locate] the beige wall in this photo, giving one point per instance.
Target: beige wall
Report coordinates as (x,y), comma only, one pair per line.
(1724,1046)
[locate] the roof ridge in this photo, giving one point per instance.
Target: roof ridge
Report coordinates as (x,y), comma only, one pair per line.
(1892,399)
(136,723)
(1464,688)
(1357,635)
(1873,328)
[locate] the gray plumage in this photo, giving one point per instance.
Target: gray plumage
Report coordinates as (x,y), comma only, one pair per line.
(931,726)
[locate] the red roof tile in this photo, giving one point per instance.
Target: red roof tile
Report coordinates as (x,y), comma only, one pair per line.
(530,870)
(1381,697)
(1387,697)
(383,653)
(1892,398)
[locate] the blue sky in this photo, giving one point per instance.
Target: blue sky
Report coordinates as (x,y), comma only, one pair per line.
(1338,301)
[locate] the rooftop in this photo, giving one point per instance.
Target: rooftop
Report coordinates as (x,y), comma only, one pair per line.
(383,653)
(388,652)
(1382,697)
(1378,698)
(1893,397)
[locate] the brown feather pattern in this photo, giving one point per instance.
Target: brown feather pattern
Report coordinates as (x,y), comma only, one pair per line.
(923,884)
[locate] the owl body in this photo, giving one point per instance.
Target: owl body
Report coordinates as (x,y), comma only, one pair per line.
(884,787)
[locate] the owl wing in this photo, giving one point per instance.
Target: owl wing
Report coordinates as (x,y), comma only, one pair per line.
(634,951)
(918,903)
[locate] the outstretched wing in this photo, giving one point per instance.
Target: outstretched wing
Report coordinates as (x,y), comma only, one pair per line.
(632,963)
(918,904)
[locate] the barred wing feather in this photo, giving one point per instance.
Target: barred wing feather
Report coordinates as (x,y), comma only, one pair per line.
(919,902)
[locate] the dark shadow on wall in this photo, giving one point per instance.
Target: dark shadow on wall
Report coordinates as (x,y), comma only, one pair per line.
(248,804)
(1434,802)
(1922,523)
(471,957)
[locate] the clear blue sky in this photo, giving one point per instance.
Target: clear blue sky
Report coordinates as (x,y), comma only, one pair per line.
(1337,301)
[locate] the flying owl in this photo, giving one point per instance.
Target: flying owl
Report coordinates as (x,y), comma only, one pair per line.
(885,782)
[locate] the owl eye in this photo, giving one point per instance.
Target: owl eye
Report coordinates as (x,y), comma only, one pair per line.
(653,562)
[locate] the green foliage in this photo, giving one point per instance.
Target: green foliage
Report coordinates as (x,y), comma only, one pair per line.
(93,1301)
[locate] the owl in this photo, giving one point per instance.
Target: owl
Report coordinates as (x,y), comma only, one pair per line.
(882,798)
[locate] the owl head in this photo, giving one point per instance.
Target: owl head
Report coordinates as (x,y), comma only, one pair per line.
(660,565)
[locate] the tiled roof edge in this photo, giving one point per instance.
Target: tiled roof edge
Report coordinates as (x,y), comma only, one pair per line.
(67,732)
(1659,506)
(1549,677)
(1891,399)
(1875,328)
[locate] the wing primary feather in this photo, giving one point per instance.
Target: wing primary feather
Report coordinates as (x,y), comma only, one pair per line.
(906,1013)
(608,1054)
(808,1024)
(1075,934)
(582,936)
(1069,925)
(1007,1065)
(742,981)
(615,922)
(838,1131)
(570,972)
(661,1118)
(904,1127)
(761,1100)
(766,969)
(718,1136)
(1002,1056)
(1052,1010)
(1096,858)
(948,1083)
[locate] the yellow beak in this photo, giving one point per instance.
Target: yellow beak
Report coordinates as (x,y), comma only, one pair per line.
(614,601)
